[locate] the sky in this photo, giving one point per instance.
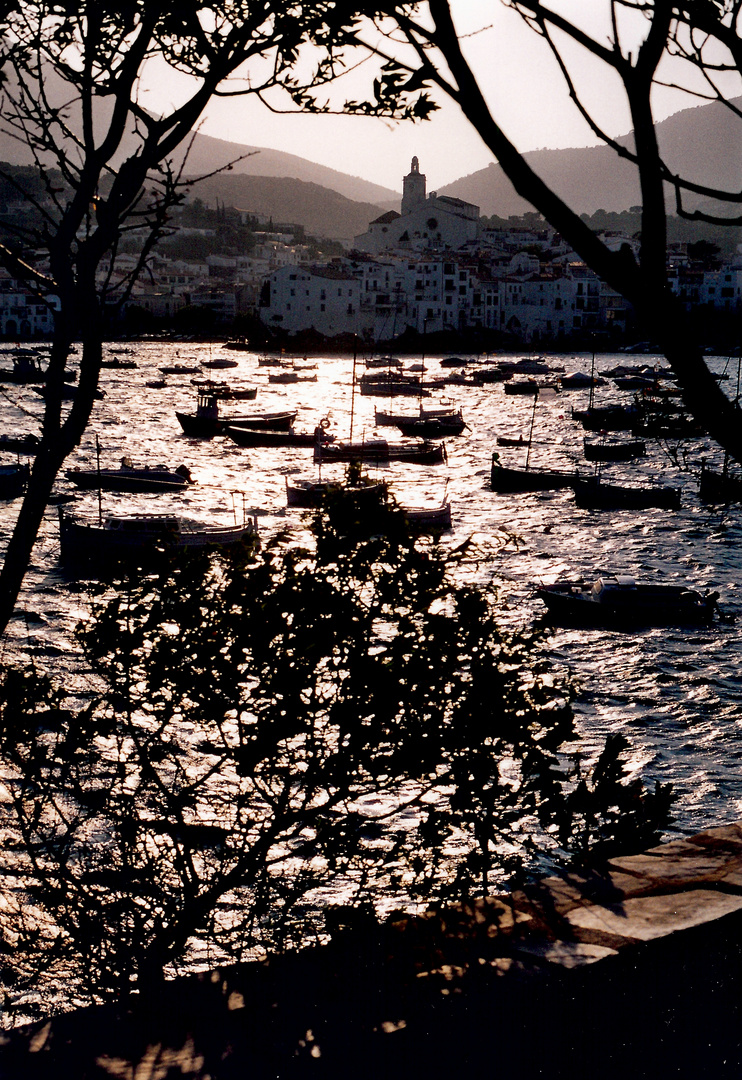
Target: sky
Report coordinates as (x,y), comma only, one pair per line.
(520,79)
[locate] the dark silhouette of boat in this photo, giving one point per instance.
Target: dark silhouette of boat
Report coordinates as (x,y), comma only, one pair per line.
(619,601)
(613,449)
(142,536)
(719,487)
(593,493)
(13,479)
(207,422)
(133,478)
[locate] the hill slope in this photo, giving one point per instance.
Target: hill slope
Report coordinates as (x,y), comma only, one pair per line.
(321,211)
(704,143)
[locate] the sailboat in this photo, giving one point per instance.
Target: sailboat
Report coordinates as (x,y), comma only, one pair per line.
(507,479)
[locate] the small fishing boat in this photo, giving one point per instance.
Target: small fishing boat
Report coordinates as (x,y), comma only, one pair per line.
(613,449)
(13,479)
(20,444)
(424,519)
(506,479)
(224,391)
(266,436)
(219,362)
(206,422)
(719,487)
(619,601)
(389,418)
(129,477)
(179,369)
(383,361)
(118,362)
(420,452)
(510,479)
(359,490)
(608,417)
(291,377)
(433,427)
(593,493)
(118,536)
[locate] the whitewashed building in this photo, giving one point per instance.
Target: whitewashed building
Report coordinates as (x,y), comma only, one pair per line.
(323,298)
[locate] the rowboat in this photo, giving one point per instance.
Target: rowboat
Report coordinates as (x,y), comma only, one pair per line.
(613,449)
(592,493)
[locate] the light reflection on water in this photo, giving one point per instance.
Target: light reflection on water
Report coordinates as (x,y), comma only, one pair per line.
(675,694)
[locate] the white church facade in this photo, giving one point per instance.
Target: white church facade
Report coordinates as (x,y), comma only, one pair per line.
(435,222)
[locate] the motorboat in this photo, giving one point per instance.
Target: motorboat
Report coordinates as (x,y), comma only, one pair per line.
(619,600)
(130,477)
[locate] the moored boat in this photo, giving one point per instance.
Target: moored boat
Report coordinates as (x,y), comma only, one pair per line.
(420,452)
(358,490)
(593,493)
(13,479)
(421,519)
(132,478)
(267,436)
(118,536)
(433,427)
(506,479)
(618,600)
(613,449)
(719,487)
(206,422)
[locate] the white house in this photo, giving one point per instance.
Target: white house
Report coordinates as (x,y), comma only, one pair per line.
(325,298)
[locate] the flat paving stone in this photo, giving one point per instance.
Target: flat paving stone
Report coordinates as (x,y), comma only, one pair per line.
(645,918)
(566,954)
(668,870)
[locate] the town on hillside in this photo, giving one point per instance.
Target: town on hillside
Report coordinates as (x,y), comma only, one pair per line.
(436,267)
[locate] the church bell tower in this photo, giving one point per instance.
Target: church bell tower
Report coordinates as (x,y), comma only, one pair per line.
(413,188)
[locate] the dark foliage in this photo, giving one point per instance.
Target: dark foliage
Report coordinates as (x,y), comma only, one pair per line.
(273,735)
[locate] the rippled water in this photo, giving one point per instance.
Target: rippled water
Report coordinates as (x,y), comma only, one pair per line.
(675,694)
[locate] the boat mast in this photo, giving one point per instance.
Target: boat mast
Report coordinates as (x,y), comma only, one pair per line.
(353,385)
(100,493)
(530,433)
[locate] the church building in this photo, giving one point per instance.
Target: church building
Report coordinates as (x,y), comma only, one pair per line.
(435,222)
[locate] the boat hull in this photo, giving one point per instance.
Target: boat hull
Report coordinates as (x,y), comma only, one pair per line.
(507,480)
(572,604)
(593,494)
(143,537)
(130,480)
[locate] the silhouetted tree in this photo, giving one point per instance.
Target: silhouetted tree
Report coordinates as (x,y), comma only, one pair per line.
(73,92)
(642,46)
(266,736)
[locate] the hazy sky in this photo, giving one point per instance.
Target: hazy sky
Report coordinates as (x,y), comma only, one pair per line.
(519,78)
